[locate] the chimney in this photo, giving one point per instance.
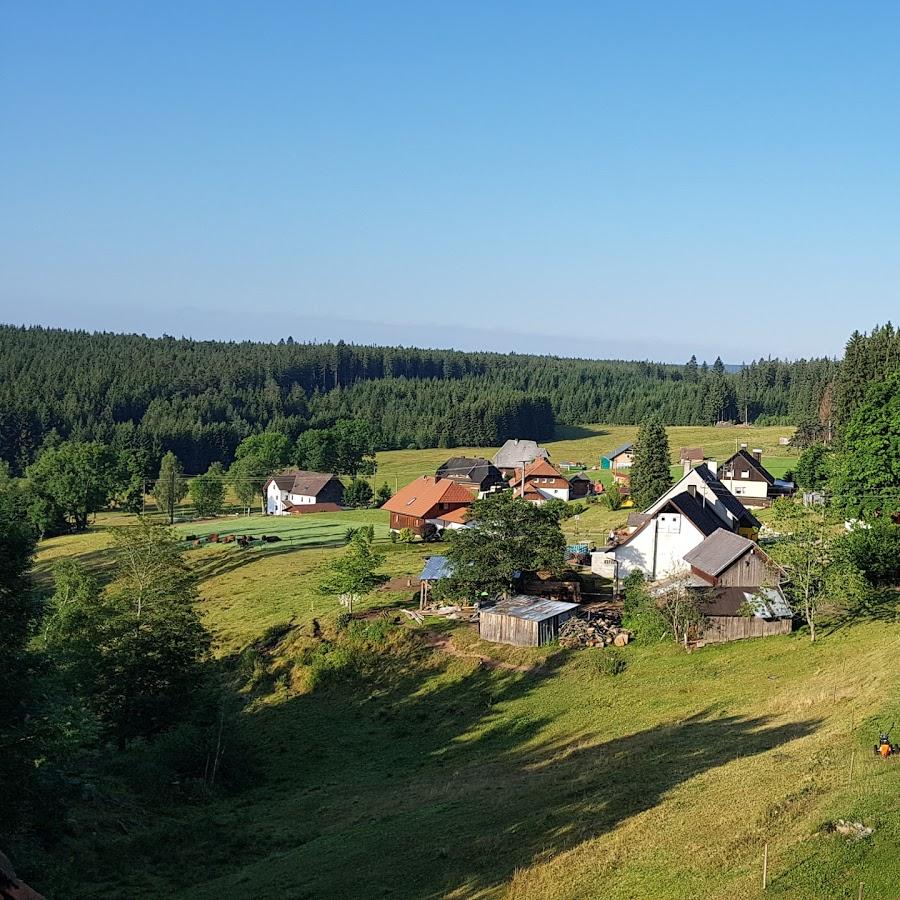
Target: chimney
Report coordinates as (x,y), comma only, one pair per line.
(692,490)
(712,465)
(743,446)
(686,467)
(757,454)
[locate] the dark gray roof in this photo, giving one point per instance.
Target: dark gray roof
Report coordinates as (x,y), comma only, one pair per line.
(309,484)
(524,606)
(697,511)
(515,452)
(470,468)
(614,453)
(766,602)
(636,519)
(717,552)
(729,501)
(752,461)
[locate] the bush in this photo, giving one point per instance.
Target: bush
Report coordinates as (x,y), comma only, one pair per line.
(343,621)
(612,496)
(875,551)
(610,661)
(405,536)
(640,613)
(358,493)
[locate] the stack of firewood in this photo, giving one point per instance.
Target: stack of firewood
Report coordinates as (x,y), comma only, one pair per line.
(596,632)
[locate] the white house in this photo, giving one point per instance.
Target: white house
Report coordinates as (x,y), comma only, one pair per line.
(298,491)
(681,519)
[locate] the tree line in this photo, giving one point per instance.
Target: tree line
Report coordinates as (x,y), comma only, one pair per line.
(200,399)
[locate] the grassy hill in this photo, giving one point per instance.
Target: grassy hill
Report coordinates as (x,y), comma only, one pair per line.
(393,763)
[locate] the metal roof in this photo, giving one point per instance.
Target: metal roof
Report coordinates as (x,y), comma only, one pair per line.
(534,609)
(765,602)
(717,552)
(729,501)
(515,452)
(436,567)
(614,453)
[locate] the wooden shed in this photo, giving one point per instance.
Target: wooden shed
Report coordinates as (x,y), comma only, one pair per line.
(523,620)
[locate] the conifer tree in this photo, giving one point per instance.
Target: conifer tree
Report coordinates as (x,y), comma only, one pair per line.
(650,475)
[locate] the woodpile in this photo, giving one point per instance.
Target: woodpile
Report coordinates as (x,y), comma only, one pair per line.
(599,631)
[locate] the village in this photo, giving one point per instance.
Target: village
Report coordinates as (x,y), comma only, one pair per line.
(700,535)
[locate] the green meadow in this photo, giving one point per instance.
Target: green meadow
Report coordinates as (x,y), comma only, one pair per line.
(431,764)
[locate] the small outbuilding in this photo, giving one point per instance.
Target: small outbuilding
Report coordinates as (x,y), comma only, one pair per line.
(523,620)
(436,568)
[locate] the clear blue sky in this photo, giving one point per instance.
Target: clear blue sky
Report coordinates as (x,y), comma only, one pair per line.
(603,179)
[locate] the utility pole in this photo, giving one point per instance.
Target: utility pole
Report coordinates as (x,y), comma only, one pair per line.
(172,497)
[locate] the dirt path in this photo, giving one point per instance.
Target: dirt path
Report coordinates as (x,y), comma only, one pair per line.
(445,644)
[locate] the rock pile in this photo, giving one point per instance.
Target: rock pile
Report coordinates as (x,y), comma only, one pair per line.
(595,632)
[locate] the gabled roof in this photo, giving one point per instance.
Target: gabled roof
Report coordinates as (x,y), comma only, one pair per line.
(697,511)
(753,462)
(715,554)
(471,468)
(729,501)
(515,452)
(297,481)
(540,468)
(618,451)
(580,476)
(534,609)
(420,496)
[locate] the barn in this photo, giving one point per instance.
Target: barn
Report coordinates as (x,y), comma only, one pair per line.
(523,620)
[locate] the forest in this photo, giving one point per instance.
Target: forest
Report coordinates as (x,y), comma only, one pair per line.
(200,399)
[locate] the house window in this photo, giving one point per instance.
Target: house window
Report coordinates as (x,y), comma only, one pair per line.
(745,474)
(740,489)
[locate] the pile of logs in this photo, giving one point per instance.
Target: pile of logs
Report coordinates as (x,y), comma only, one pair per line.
(595,632)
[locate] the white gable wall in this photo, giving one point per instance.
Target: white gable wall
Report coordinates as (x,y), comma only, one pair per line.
(658,550)
(703,491)
(275,498)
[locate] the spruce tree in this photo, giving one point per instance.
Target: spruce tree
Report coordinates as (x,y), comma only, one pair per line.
(650,475)
(170,487)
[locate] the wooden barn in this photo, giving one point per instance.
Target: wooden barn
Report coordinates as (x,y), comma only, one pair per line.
(523,621)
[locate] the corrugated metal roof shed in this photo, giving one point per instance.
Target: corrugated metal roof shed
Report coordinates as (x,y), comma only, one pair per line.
(534,609)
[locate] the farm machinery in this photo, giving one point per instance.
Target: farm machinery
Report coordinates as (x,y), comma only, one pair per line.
(884,748)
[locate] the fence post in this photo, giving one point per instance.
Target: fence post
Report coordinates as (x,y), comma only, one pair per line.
(766,865)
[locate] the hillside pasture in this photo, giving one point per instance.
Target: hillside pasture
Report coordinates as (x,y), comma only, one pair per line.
(587,443)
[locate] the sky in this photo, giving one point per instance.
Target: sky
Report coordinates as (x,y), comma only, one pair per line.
(611,180)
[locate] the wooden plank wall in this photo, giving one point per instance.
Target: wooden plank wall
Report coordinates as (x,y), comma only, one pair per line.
(734,628)
(507,629)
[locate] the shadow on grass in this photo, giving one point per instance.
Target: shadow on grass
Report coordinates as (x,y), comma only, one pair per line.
(423,778)
(881,605)
(575,432)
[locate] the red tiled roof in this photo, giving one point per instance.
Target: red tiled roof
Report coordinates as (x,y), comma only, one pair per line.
(456,516)
(419,497)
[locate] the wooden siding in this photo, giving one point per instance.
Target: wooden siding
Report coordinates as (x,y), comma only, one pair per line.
(720,629)
(502,629)
(751,569)
(414,524)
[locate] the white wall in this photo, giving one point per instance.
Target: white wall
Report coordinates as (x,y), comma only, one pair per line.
(673,536)
(275,500)
(746,487)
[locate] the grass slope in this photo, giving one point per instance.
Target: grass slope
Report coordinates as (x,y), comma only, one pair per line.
(439,776)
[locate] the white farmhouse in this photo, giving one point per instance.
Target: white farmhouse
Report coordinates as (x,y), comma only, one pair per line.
(297,491)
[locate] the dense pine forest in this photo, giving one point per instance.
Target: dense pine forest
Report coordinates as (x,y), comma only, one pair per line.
(201,398)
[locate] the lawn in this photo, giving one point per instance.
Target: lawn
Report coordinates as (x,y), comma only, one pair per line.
(435,775)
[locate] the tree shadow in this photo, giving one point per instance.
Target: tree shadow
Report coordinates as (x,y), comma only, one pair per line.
(394,784)
(881,605)
(575,432)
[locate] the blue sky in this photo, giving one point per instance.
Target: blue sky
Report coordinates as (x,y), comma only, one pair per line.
(599,179)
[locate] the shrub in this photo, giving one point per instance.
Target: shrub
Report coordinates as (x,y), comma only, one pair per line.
(875,551)
(612,496)
(610,661)
(405,536)
(640,613)
(343,621)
